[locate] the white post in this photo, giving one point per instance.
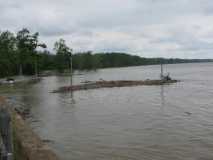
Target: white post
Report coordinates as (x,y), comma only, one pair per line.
(161,74)
(71,75)
(71,70)
(36,67)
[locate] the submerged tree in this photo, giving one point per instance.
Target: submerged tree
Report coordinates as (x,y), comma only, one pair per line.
(26,48)
(22,49)
(63,55)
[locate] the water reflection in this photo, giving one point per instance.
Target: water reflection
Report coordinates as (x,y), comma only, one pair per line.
(72,100)
(162,95)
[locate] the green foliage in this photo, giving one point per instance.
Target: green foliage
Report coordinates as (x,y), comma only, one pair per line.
(7,54)
(26,49)
(86,61)
(46,61)
(18,53)
(63,55)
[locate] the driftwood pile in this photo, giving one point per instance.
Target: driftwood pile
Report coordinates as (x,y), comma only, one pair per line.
(111,84)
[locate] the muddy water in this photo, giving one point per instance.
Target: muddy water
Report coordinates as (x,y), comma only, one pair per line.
(131,123)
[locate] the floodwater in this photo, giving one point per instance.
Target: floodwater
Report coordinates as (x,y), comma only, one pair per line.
(171,122)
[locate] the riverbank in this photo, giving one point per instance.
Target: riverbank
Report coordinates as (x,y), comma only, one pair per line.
(26,144)
(111,84)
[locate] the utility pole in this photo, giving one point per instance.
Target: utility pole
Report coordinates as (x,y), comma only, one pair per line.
(161,65)
(36,66)
(71,75)
(71,70)
(161,74)
(20,64)
(20,70)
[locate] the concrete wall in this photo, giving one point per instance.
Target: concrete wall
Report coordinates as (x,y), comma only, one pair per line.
(27,144)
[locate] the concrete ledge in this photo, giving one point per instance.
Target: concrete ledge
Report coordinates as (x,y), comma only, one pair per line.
(27,144)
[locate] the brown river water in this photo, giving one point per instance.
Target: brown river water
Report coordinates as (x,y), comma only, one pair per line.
(171,122)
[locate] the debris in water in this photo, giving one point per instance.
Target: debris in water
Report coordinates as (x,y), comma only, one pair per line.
(188,113)
(111,84)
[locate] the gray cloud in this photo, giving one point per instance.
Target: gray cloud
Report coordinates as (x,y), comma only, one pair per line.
(169,28)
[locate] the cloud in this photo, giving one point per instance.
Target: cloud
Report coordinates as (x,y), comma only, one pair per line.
(151,28)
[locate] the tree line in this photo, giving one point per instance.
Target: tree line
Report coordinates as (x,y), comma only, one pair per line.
(20,54)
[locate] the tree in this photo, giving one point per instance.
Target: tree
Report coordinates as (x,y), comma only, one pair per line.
(46,60)
(63,55)
(22,49)
(26,48)
(7,54)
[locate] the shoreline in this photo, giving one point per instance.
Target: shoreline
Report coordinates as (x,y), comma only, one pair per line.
(26,144)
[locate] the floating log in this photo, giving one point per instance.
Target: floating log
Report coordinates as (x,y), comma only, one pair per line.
(111,84)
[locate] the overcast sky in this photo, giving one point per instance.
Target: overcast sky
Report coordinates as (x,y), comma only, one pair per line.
(150,28)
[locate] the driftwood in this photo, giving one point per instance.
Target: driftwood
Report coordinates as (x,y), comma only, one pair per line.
(111,84)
